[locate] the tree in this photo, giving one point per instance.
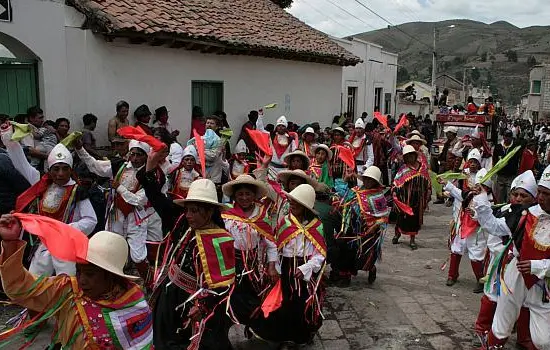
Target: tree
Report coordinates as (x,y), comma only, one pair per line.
(458,76)
(403,75)
(512,56)
(283,3)
(475,74)
(484,57)
(531,61)
(492,58)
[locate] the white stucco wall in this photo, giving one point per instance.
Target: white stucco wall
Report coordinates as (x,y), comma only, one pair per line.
(378,70)
(82,73)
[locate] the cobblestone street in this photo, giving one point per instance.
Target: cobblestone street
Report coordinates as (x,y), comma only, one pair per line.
(408,307)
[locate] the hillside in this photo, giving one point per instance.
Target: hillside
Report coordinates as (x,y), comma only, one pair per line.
(465,43)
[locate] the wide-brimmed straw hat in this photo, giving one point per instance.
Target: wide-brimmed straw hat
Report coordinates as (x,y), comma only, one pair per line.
(339,129)
(297,153)
(408,149)
(284,175)
(109,251)
(229,188)
(325,148)
(201,191)
(374,173)
(305,195)
(416,138)
(415,132)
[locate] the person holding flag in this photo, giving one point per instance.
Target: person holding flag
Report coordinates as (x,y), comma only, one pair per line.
(239,165)
(339,142)
(282,143)
(410,195)
(56,195)
(183,177)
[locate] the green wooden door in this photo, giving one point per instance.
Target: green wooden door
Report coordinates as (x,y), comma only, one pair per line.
(18,89)
(208,95)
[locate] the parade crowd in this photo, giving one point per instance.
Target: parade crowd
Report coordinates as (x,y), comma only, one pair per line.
(165,240)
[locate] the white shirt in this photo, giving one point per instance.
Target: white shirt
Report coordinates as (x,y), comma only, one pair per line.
(247,238)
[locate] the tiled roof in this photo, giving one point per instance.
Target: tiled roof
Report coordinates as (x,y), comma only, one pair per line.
(249,27)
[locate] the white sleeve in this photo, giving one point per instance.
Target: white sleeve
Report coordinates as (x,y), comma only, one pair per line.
(19,160)
(457,149)
(88,218)
(455,192)
(102,168)
(271,250)
(138,199)
(370,157)
(486,219)
(540,268)
(176,154)
(313,265)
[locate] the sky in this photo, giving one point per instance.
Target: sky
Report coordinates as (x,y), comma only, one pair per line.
(344,17)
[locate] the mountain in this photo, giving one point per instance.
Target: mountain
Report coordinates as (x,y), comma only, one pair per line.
(501,52)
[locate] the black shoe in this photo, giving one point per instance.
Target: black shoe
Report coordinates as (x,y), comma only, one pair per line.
(344,282)
(479,288)
(287,345)
(450,282)
(395,240)
(372,275)
(439,201)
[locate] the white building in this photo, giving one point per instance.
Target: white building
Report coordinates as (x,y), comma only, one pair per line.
(421,105)
(82,56)
(538,100)
(370,85)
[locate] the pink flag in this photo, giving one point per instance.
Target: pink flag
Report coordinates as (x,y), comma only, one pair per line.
(199,143)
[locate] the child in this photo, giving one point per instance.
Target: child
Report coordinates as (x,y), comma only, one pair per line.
(238,165)
(320,169)
(44,140)
(185,174)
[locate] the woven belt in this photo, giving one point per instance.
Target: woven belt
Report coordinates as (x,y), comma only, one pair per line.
(181,279)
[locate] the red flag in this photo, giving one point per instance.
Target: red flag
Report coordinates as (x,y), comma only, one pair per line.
(63,241)
(347,156)
(382,119)
(403,121)
(261,139)
(402,206)
(199,143)
(274,299)
(133,133)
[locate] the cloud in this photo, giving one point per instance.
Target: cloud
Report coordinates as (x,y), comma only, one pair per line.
(346,17)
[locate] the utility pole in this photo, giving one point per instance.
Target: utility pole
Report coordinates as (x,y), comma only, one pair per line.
(433,68)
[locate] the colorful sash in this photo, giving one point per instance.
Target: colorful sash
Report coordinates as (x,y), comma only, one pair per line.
(124,323)
(357,150)
(260,222)
(217,255)
(468,225)
(290,228)
(531,249)
(372,202)
(406,174)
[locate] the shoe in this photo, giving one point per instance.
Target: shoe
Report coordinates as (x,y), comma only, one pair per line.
(395,240)
(413,246)
(479,288)
(450,282)
(439,201)
(372,275)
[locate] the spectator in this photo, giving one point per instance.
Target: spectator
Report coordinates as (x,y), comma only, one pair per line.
(43,139)
(143,118)
(197,121)
(223,119)
(529,158)
(119,120)
(96,194)
(427,131)
(88,136)
(249,125)
(471,108)
(20,118)
(62,126)
(507,174)
(161,121)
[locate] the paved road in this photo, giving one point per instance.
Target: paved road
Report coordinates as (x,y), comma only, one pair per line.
(408,307)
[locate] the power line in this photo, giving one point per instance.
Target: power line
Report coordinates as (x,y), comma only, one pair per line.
(328,17)
(391,24)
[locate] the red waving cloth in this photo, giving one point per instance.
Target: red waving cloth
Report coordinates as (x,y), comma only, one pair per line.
(347,156)
(402,206)
(199,143)
(32,193)
(402,122)
(137,133)
(382,119)
(261,139)
(63,241)
(274,299)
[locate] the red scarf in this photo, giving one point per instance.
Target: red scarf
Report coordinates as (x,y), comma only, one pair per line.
(356,150)
(260,222)
(32,193)
(290,228)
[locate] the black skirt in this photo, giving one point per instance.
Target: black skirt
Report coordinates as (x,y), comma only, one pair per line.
(245,297)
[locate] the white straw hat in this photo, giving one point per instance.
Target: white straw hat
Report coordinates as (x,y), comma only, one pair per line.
(415,132)
(415,138)
(373,172)
(452,129)
(325,148)
(339,129)
(60,154)
(309,130)
(297,153)
(474,154)
(408,149)
(109,251)
(305,195)
(228,188)
(202,191)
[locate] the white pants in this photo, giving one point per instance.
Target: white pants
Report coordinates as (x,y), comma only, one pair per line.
(136,235)
(474,244)
(509,305)
(43,263)
(154,228)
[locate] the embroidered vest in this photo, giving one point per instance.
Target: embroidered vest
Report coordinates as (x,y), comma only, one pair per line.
(57,202)
(534,246)
(127,178)
(290,228)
